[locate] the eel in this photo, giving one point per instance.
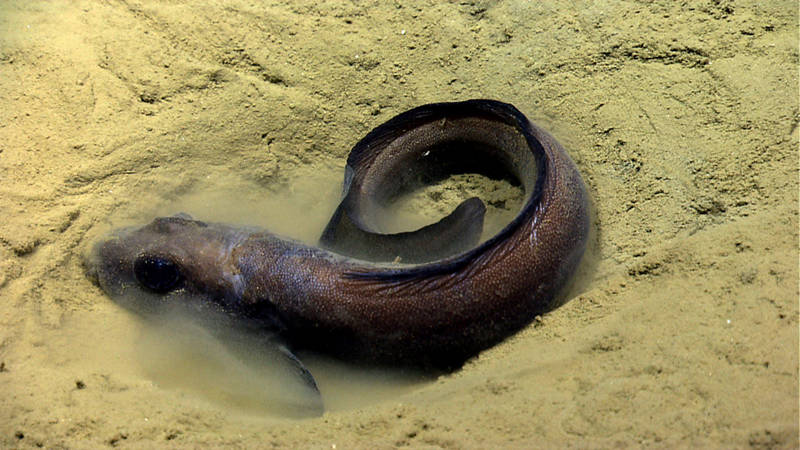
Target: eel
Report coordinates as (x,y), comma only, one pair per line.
(431,297)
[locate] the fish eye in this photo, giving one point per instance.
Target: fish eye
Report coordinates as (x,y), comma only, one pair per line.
(156,273)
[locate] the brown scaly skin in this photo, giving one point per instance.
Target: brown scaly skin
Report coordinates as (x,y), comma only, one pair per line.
(436,313)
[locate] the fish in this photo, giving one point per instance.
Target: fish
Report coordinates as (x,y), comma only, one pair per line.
(431,297)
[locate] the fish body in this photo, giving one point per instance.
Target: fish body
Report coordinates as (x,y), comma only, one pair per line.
(350,296)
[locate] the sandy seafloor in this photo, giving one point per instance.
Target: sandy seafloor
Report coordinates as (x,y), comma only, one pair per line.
(682,117)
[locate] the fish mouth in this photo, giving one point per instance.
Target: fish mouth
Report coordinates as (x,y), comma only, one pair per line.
(91,272)
(97,259)
(90,261)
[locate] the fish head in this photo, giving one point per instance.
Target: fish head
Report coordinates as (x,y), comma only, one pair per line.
(177,273)
(172,262)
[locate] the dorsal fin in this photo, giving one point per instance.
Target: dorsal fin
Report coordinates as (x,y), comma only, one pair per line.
(456,233)
(377,153)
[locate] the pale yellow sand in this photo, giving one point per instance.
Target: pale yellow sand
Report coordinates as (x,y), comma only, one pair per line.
(682,117)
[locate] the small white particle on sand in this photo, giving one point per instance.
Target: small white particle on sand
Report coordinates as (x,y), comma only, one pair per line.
(402,31)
